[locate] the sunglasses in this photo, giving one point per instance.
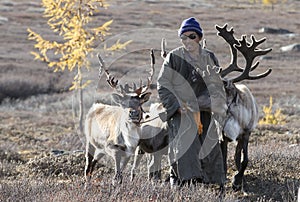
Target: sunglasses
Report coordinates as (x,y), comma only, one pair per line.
(191,36)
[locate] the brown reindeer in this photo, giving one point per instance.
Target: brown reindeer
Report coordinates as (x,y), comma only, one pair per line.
(242,114)
(115,130)
(153,142)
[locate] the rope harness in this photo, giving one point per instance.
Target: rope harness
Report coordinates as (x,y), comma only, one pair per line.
(141,122)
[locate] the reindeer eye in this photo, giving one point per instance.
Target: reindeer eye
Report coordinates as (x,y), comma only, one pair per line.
(215,95)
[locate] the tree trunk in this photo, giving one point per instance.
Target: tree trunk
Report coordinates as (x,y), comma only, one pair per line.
(80,118)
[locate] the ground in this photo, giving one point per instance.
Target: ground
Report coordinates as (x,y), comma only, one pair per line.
(34,130)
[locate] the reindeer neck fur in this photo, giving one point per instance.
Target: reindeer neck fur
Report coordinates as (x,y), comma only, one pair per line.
(155,125)
(114,123)
(242,112)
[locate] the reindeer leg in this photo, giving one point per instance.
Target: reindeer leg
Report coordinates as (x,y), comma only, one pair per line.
(237,180)
(241,166)
(237,156)
(151,166)
(120,163)
(224,145)
(92,156)
(157,162)
(89,166)
(245,159)
(118,174)
(136,161)
(124,161)
(154,166)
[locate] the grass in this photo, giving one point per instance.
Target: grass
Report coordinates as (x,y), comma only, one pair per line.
(31,128)
(271,176)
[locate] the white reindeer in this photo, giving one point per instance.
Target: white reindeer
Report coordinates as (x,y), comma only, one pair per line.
(115,130)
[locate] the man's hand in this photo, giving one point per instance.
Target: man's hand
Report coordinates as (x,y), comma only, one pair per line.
(181,110)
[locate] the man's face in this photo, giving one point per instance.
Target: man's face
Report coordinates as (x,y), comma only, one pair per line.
(190,41)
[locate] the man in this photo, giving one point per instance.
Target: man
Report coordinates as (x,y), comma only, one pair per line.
(194,149)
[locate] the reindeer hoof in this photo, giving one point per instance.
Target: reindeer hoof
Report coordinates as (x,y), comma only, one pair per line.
(155,176)
(237,183)
(222,192)
(236,187)
(132,176)
(118,179)
(87,186)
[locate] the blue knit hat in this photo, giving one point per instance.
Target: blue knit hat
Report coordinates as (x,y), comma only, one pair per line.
(190,24)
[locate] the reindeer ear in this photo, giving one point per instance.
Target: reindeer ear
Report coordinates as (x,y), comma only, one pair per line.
(227,83)
(218,69)
(117,98)
(145,97)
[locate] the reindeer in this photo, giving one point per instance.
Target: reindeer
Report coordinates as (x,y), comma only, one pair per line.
(153,141)
(115,130)
(242,114)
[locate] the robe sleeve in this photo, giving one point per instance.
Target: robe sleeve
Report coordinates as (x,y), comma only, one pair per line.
(165,87)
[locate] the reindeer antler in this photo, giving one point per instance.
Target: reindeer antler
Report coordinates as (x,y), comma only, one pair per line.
(230,39)
(249,51)
(110,79)
(150,78)
(126,89)
(163,52)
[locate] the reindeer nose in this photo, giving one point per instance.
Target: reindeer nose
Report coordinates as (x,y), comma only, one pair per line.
(133,113)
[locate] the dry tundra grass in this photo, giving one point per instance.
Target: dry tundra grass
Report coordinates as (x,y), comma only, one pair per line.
(32,129)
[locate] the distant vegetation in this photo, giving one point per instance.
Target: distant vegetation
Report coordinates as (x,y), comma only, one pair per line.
(16,84)
(272,116)
(268,2)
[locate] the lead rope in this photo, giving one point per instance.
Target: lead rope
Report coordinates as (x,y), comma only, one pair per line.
(149,120)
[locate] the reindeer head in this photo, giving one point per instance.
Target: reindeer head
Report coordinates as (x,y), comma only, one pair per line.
(133,103)
(128,97)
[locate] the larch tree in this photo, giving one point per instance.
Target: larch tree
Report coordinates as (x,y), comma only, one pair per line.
(70,20)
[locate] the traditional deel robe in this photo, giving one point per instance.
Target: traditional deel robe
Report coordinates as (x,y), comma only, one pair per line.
(192,155)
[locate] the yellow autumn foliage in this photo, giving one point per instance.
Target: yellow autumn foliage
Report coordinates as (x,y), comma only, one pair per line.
(117,45)
(69,19)
(268,3)
(272,116)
